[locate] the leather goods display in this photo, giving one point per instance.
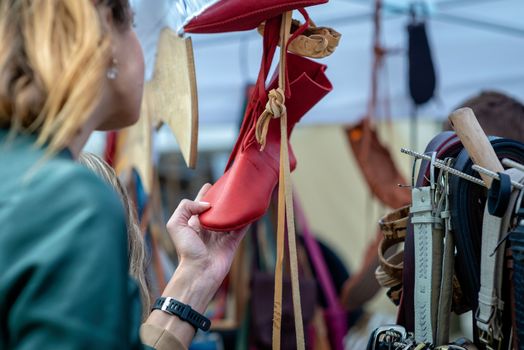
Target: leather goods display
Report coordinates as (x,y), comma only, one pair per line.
(459,220)
(467,201)
(236,202)
(238,15)
(314,42)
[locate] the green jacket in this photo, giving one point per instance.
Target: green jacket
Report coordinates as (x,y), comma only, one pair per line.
(64,280)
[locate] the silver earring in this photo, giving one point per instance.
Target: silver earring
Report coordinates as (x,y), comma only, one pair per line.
(112,72)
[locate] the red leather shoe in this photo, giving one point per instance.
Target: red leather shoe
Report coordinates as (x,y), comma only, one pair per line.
(242,195)
(237,15)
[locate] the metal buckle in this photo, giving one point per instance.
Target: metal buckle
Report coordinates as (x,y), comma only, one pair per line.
(487,338)
(166,303)
(391,336)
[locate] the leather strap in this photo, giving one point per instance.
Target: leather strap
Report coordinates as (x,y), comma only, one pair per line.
(387,274)
(499,195)
(393,227)
(448,267)
(423,220)
(494,227)
(427,206)
(285,212)
(394,224)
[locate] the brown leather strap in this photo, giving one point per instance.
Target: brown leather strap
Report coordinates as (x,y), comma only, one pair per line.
(394,224)
(285,212)
(389,273)
(393,227)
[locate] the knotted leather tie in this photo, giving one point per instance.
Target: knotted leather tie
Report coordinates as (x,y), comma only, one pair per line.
(275,108)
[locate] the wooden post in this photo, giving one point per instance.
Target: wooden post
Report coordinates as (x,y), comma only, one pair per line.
(475,141)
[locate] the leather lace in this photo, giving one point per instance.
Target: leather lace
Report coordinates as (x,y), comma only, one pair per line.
(275,108)
(285,207)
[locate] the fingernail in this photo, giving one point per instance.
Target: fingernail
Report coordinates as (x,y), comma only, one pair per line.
(207,204)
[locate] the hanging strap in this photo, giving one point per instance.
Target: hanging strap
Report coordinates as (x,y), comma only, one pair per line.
(491,306)
(422,220)
(285,210)
(448,266)
(428,261)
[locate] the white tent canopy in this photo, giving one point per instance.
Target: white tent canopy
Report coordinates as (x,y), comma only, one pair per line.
(476,45)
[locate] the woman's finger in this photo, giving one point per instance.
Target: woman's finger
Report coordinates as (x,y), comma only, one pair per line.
(202,192)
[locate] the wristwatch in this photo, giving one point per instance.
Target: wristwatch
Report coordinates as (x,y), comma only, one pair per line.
(182,311)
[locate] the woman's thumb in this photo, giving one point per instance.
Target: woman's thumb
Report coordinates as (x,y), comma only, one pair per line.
(186,209)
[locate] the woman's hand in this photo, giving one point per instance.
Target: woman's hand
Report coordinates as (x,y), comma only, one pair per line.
(207,253)
(205,258)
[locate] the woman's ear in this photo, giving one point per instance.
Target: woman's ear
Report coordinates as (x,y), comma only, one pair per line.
(106,18)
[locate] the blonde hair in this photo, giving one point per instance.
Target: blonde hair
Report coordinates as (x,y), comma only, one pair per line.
(136,250)
(53,59)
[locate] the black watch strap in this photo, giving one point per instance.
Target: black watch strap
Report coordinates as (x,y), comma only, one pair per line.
(183,311)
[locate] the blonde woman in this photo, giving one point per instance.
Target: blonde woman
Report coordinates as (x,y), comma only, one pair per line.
(68,67)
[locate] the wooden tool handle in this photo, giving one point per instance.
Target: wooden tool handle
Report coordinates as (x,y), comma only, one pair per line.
(475,141)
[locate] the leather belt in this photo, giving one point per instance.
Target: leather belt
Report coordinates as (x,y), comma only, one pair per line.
(494,227)
(428,208)
(393,227)
(423,220)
